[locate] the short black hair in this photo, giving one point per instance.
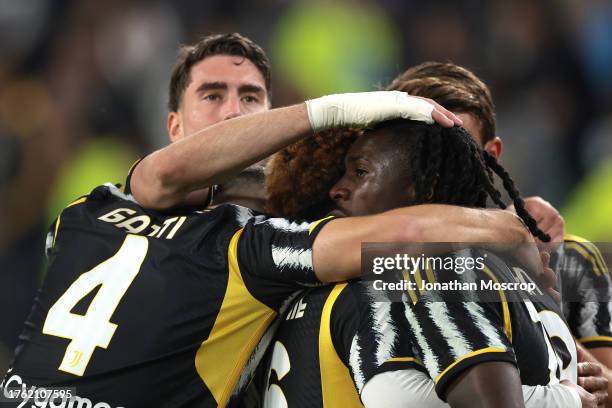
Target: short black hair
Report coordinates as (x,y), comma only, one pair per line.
(216,44)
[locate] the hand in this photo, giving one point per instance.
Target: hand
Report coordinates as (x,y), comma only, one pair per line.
(587,399)
(591,378)
(365,108)
(547,217)
(549,277)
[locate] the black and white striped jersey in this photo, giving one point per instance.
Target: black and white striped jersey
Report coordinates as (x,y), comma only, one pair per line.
(586,288)
(330,343)
(142,308)
(451,332)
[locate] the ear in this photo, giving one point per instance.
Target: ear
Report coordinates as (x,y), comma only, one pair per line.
(494,147)
(174,125)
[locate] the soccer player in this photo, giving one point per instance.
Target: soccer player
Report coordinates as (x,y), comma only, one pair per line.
(335,340)
(585,280)
(149,300)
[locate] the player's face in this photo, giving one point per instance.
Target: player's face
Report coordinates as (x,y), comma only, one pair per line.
(222,87)
(374,180)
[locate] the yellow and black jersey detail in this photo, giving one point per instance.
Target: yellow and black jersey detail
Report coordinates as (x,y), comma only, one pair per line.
(209,285)
(586,288)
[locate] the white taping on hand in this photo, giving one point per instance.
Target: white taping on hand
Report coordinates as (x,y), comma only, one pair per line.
(365,108)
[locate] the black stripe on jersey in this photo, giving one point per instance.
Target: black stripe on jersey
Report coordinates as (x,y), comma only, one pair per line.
(275,255)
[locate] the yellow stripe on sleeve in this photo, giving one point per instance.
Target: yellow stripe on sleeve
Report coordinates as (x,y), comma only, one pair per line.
(505,307)
(468,356)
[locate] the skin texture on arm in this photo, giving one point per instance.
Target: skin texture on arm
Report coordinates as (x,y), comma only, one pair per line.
(491,384)
(416,224)
(165,177)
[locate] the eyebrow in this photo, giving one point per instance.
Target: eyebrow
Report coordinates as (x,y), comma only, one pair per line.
(245,88)
(354,158)
(250,88)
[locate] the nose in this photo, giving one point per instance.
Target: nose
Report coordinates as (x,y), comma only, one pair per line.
(339,192)
(232,108)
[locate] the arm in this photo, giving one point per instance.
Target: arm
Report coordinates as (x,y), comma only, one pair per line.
(412,388)
(492,384)
(418,224)
(165,178)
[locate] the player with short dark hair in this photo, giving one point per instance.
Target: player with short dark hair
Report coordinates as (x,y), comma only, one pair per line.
(151,300)
(230,44)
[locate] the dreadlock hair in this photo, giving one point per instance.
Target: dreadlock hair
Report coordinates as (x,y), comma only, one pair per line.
(446,166)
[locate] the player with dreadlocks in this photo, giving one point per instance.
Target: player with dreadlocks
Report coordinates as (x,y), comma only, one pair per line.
(584,278)
(342,346)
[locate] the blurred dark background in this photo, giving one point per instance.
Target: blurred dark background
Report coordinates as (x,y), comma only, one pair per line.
(83,93)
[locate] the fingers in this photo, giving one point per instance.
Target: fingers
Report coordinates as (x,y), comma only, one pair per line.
(556,296)
(547,217)
(592,384)
(441,115)
(589,368)
(442,119)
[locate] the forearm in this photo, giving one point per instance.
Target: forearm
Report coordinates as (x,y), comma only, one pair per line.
(417,224)
(167,176)
(412,388)
(443,223)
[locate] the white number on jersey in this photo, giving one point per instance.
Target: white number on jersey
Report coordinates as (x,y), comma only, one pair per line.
(114,276)
(274,397)
(554,326)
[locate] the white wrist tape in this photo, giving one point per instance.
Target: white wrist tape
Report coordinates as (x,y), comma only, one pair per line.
(365,108)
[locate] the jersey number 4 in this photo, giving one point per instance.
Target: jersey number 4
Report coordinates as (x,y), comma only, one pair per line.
(94,329)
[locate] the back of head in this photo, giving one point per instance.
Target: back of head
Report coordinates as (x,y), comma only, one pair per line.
(232,44)
(454,87)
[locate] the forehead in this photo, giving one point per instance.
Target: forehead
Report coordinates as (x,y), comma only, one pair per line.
(374,145)
(230,69)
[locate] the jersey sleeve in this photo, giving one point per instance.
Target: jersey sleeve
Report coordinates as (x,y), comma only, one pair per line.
(127,188)
(587,291)
(452,331)
(370,335)
(279,250)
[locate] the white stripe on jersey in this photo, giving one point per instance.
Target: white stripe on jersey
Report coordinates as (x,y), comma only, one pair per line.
(293,258)
(257,355)
(588,312)
(118,193)
(384,329)
(430,359)
(355,362)
(285,225)
(478,317)
(243,215)
(441,318)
